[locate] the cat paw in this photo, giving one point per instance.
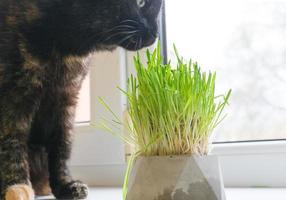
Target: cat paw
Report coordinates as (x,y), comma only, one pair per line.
(73,190)
(19,192)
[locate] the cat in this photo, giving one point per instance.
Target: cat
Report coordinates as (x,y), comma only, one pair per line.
(44,45)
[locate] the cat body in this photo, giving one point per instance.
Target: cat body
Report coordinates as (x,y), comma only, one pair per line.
(44,48)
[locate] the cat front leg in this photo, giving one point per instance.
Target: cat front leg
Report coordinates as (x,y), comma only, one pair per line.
(19,98)
(62,185)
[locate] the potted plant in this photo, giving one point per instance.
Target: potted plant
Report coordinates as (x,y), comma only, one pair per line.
(172,113)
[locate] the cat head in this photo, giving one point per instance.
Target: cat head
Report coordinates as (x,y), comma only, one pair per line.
(131,24)
(80,26)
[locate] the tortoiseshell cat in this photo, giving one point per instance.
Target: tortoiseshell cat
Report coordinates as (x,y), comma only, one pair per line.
(43,44)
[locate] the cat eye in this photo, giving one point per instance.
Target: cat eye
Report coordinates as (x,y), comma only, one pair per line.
(141,3)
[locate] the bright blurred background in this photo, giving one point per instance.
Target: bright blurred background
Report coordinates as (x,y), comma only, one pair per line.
(244,41)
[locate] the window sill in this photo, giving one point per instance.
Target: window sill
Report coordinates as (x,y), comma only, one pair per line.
(255,193)
(231,193)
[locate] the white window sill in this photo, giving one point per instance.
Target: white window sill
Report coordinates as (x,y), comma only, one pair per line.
(256,193)
(231,193)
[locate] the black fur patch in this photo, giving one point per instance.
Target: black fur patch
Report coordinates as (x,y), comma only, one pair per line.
(43,49)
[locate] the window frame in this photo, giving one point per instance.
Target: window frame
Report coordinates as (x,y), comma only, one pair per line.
(244,163)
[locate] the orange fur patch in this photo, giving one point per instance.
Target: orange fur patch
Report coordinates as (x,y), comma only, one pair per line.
(20,192)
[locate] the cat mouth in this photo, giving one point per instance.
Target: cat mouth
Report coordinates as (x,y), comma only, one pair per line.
(138,42)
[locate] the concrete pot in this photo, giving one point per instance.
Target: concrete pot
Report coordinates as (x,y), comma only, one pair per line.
(176,178)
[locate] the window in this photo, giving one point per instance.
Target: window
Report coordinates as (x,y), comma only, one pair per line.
(98,158)
(244,42)
(83,107)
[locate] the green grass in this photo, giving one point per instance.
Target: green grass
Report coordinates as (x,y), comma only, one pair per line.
(172,110)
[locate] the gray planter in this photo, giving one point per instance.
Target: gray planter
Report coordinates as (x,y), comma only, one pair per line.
(176,178)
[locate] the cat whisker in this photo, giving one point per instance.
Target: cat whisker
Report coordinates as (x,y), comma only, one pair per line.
(120,27)
(120,33)
(140,42)
(103,34)
(125,27)
(129,20)
(126,38)
(117,28)
(128,45)
(137,43)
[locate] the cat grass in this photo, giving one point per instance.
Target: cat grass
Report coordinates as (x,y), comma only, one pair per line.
(172,109)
